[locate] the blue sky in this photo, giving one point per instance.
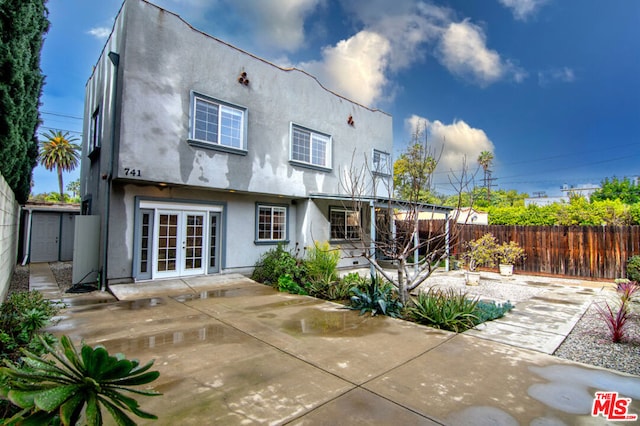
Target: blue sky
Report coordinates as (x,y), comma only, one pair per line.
(551,87)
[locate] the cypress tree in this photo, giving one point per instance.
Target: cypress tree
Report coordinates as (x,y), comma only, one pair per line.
(23,24)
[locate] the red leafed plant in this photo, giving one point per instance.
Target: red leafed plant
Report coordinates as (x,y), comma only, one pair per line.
(616,321)
(627,290)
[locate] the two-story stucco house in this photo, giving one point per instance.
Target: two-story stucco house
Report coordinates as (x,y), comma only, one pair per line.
(198,157)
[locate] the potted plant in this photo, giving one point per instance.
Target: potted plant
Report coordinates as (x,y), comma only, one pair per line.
(480,252)
(508,254)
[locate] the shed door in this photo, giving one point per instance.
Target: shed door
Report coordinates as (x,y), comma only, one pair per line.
(45,234)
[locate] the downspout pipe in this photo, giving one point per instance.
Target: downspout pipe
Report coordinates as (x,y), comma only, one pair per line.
(27,255)
(115,60)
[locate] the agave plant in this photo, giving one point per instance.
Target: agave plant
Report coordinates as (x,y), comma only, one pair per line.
(378,298)
(79,384)
(445,309)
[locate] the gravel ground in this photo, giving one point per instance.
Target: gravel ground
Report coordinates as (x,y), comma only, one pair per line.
(587,343)
(20,279)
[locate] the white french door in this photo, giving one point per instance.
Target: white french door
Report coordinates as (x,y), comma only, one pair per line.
(180,240)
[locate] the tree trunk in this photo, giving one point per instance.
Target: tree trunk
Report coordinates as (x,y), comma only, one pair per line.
(60,185)
(402,281)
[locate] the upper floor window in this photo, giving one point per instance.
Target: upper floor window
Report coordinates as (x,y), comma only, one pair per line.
(381,162)
(344,224)
(216,123)
(271,223)
(309,147)
(95,133)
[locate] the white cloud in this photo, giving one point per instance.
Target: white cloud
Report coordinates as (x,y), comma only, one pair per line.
(101,33)
(279,23)
(522,9)
(394,38)
(562,75)
(464,52)
(408,25)
(354,67)
(456,141)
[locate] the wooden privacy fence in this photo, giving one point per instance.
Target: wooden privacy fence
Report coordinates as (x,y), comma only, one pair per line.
(595,252)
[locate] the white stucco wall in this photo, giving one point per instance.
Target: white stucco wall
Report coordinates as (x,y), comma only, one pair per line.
(164,60)
(145,103)
(9,221)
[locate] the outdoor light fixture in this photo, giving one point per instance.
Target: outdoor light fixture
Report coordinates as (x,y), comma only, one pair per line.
(350,121)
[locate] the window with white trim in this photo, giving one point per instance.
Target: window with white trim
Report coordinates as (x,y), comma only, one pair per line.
(381,163)
(309,147)
(217,123)
(344,223)
(271,223)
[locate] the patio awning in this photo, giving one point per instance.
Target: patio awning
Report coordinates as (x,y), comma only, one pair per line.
(381,202)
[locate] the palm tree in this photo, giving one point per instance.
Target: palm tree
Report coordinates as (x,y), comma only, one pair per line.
(485,159)
(60,153)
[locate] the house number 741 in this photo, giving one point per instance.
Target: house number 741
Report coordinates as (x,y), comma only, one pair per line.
(132,172)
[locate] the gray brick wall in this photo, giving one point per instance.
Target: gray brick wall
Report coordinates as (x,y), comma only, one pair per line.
(9,222)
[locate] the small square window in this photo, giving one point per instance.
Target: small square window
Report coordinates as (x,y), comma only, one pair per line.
(215,123)
(381,163)
(271,223)
(309,147)
(344,223)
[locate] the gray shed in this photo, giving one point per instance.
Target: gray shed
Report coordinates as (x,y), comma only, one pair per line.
(47,231)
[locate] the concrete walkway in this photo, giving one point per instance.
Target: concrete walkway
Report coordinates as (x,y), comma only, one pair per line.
(231,351)
(545,313)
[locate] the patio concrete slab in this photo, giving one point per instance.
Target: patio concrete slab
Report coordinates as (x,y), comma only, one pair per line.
(470,381)
(542,322)
(331,337)
(515,335)
(246,354)
(362,407)
(178,286)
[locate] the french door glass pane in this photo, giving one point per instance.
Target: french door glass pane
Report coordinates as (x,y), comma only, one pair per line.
(194,239)
(167,242)
(213,243)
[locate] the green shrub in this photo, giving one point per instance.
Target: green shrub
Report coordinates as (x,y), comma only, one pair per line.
(378,297)
(509,253)
(481,252)
(278,262)
(78,385)
(335,290)
(22,317)
(490,310)
(322,262)
(633,268)
(288,285)
(444,309)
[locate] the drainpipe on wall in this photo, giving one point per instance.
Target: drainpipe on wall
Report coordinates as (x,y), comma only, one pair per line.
(27,255)
(115,60)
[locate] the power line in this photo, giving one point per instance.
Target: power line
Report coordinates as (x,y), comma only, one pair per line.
(61,115)
(59,130)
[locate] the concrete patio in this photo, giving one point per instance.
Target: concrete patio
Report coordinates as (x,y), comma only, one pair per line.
(232,351)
